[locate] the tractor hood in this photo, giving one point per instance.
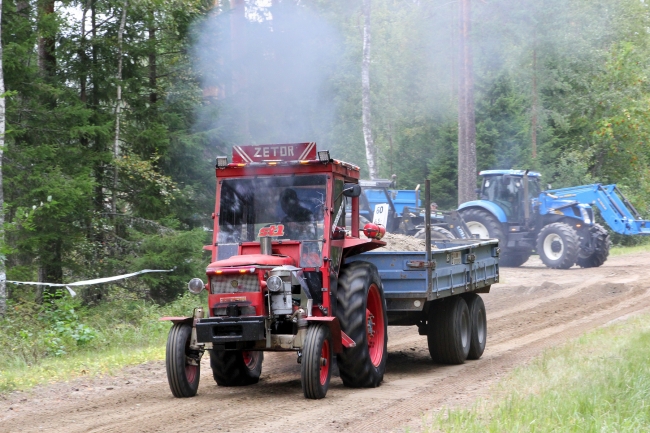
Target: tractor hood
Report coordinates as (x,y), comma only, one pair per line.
(252,260)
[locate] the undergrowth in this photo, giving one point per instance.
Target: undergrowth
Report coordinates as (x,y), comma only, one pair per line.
(59,338)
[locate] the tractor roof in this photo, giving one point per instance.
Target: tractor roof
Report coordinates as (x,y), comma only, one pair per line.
(508,172)
(291,158)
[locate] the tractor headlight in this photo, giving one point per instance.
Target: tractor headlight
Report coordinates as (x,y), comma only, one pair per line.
(585,215)
(274,283)
(195,285)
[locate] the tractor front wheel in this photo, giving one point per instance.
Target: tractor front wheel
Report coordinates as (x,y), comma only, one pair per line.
(236,367)
(182,363)
(362,313)
(599,252)
(558,245)
(316,363)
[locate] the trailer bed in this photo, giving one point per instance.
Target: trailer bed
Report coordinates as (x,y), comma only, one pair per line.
(458,266)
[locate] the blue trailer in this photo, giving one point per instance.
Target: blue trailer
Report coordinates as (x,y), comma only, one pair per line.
(440,295)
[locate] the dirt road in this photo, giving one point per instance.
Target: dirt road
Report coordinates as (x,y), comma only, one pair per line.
(533,308)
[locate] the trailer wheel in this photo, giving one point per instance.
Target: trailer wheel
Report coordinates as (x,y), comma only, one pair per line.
(600,251)
(183,364)
(449,331)
(437,234)
(478,325)
(236,367)
(316,364)
(558,245)
(362,314)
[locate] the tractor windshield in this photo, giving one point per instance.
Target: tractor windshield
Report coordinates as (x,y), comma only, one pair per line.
(508,193)
(283,207)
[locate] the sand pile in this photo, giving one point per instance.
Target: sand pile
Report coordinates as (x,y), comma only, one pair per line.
(395,242)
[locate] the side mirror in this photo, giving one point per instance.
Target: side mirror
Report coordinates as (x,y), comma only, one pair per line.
(351,190)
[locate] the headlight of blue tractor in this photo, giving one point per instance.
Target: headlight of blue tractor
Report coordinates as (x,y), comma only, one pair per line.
(585,215)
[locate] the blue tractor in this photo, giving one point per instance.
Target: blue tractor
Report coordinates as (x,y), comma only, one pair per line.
(556,224)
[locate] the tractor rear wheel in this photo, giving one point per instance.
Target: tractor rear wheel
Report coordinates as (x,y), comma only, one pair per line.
(478,325)
(601,244)
(449,331)
(437,234)
(482,223)
(183,364)
(316,363)
(362,313)
(558,245)
(236,367)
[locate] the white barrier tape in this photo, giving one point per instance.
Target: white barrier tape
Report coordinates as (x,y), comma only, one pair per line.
(88,282)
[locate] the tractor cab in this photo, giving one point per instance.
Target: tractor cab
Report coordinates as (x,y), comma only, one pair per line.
(506,189)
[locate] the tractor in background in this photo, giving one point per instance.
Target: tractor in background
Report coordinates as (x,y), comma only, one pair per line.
(558,224)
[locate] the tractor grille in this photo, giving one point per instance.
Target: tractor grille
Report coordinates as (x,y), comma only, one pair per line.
(235,283)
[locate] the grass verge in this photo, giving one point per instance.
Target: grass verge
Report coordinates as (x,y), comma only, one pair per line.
(42,344)
(599,382)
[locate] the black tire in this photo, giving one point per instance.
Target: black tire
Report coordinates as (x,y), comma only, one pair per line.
(558,245)
(513,260)
(478,325)
(600,248)
(437,234)
(182,363)
(359,289)
(483,223)
(316,363)
(449,331)
(236,367)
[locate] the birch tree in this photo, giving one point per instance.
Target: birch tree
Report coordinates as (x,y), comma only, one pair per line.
(3,278)
(371,150)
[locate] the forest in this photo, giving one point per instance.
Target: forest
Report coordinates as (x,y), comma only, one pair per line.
(116,110)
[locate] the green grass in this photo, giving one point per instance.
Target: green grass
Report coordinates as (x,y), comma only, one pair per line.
(599,382)
(63,340)
(619,251)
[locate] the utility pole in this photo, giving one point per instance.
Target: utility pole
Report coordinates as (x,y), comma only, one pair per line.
(466,120)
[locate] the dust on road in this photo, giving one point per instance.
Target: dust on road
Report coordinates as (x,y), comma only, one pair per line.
(533,308)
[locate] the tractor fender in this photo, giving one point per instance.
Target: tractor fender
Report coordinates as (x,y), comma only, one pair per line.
(339,338)
(489,206)
(178,319)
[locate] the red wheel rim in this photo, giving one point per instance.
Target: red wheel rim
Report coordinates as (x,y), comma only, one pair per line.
(325,362)
(375,325)
(249,360)
(190,372)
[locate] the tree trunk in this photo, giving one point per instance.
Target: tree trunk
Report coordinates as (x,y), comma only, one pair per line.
(533,126)
(153,76)
(46,56)
(118,108)
(466,121)
(371,151)
(3,277)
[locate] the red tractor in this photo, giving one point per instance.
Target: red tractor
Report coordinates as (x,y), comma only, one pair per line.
(278,282)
